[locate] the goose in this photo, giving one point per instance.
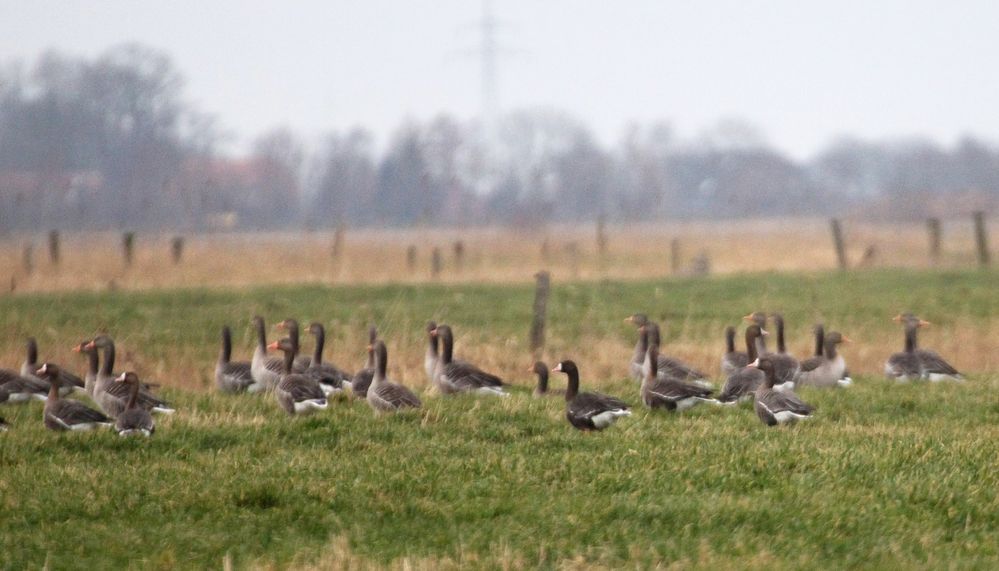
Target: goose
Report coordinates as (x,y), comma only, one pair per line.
(732,360)
(741,384)
(69,381)
(232,376)
(112,397)
(362,379)
(90,379)
(669,368)
(785,365)
(669,394)
(935,368)
(18,388)
(290,326)
(772,406)
(828,368)
(541,370)
(384,395)
(453,376)
(332,379)
(134,420)
(758,318)
(432,355)
(62,414)
(905,366)
(820,332)
(295,392)
(266,371)
(588,411)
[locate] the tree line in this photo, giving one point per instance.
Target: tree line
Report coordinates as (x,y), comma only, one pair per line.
(111,143)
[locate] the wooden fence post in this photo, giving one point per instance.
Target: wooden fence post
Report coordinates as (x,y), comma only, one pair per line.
(601,236)
(54,247)
(459,256)
(436,263)
(981,239)
(411,259)
(177,249)
(674,256)
(933,229)
(128,247)
(572,250)
(339,235)
(541,290)
(28,259)
(837,232)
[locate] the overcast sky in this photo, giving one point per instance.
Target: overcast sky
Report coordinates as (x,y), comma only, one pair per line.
(804,72)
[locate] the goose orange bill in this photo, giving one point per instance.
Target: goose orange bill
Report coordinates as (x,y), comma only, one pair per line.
(274,346)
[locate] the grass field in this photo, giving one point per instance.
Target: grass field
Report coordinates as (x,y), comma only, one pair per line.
(884,476)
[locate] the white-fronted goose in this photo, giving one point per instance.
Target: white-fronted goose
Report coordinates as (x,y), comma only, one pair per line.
(432,355)
(362,379)
(332,379)
(62,414)
(134,420)
(588,411)
(785,365)
(295,392)
(741,384)
(669,394)
(266,370)
(93,362)
(453,376)
(232,376)
(290,326)
(732,360)
(776,407)
(112,397)
(827,369)
(541,390)
(18,388)
(384,395)
(69,381)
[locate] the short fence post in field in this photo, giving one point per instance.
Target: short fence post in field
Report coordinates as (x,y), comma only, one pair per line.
(933,229)
(837,232)
(436,263)
(459,255)
(674,256)
(546,252)
(28,259)
(540,312)
(601,236)
(572,250)
(411,259)
(177,249)
(54,247)
(128,246)
(339,236)
(981,239)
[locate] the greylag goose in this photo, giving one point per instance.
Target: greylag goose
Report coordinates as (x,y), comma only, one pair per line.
(786,366)
(932,366)
(732,360)
(362,379)
(134,420)
(332,379)
(905,366)
(384,395)
(90,379)
(266,371)
(18,388)
(776,407)
(432,355)
(112,397)
(62,414)
(453,376)
(741,384)
(295,392)
(827,369)
(668,367)
(232,376)
(69,381)
(669,394)
(760,319)
(820,333)
(541,390)
(290,326)
(588,411)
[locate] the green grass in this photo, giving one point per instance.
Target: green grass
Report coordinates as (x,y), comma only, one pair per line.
(884,476)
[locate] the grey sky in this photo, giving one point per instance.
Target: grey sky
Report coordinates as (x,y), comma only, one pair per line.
(803,72)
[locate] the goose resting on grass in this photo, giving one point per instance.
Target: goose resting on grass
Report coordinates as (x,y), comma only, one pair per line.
(62,415)
(453,376)
(384,395)
(588,411)
(669,394)
(295,392)
(332,379)
(266,371)
(111,396)
(732,360)
(68,381)
(776,407)
(362,379)
(741,384)
(231,376)
(828,369)
(134,420)
(915,363)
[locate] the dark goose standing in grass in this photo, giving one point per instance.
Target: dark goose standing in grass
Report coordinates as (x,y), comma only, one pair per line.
(669,368)
(828,368)
(669,394)
(362,379)
(776,407)
(541,390)
(384,395)
(266,370)
(295,392)
(231,376)
(732,360)
(741,384)
(589,411)
(432,356)
(93,362)
(290,326)
(332,379)
(786,366)
(134,420)
(111,396)
(453,376)
(62,414)
(69,381)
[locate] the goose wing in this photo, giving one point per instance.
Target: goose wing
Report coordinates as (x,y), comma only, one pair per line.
(934,363)
(71,412)
(466,376)
(588,405)
(776,402)
(675,390)
(812,363)
(301,388)
(397,396)
(670,367)
(741,383)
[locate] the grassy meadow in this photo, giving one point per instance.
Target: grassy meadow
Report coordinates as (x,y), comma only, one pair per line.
(884,476)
